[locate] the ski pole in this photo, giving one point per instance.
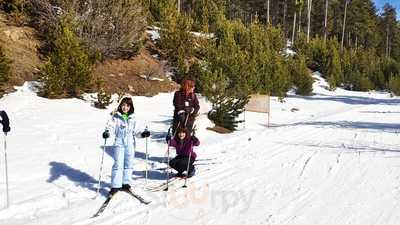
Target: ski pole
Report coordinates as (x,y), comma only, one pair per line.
(6,165)
(187,117)
(169,142)
(187,169)
(168,167)
(147,158)
(188,165)
(101,168)
(169,133)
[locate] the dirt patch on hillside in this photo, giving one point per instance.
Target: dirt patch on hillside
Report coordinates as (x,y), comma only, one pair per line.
(141,75)
(20,45)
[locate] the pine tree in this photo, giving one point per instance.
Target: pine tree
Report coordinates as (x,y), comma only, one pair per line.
(68,70)
(225,111)
(4,66)
(334,67)
(177,40)
(348,68)
(389,31)
(301,77)
(394,85)
(390,67)
(103,99)
(225,108)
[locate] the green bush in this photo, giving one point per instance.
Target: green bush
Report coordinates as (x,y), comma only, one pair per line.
(68,70)
(17,10)
(250,57)
(206,14)
(318,53)
(225,107)
(332,67)
(103,99)
(4,66)
(10,6)
(394,85)
(225,111)
(390,67)
(301,77)
(177,41)
(159,8)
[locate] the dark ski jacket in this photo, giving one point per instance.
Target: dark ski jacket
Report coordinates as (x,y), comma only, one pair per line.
(182,102)
(185,147)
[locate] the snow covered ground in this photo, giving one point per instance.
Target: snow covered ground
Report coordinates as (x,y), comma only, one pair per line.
(334,161)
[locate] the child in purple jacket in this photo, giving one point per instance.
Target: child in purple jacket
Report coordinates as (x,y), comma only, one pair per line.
(183,143)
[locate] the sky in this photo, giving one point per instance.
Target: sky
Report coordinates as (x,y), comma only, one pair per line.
(395,3)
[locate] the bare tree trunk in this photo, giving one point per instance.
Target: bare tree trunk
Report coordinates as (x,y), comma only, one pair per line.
(344,23)
(179,6)
(284,17)
(294,27)
(349,39)
(309,7)
(387,41)
(356,44)
(300,11)
(268,21)
(326,20)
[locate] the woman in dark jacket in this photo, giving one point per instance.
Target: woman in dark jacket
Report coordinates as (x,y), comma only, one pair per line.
(186,106)
(184,144)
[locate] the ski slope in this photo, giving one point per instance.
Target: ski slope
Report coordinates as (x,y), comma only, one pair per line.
(335,160)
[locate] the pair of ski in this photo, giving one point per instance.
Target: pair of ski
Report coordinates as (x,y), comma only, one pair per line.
(164,186)
(130,192)
(160,187)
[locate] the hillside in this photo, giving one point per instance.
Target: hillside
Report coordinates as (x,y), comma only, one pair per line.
(333,161)
(142,75)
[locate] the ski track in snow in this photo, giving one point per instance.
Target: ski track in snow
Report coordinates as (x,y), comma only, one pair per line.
(332,164)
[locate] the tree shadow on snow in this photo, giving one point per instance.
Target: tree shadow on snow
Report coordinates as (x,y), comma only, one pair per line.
(383,112)
(351,100)
(349,148)
(167,121)
(142,155)
(378,127)
(80,178)
(158,136)
(151,174)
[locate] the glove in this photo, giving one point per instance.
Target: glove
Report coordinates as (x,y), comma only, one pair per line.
(195,139)
(145,133)
(168,138)
(5,121)
(189,110)
(106,134)
(182,117)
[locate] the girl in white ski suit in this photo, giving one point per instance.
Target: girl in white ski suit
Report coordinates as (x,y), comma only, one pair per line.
(122,124)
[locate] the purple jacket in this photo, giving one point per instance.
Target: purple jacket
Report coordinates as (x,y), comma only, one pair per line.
(185,147)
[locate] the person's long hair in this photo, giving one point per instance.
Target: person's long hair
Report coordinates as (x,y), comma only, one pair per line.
(187,85)
(128,101)
(182,130)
